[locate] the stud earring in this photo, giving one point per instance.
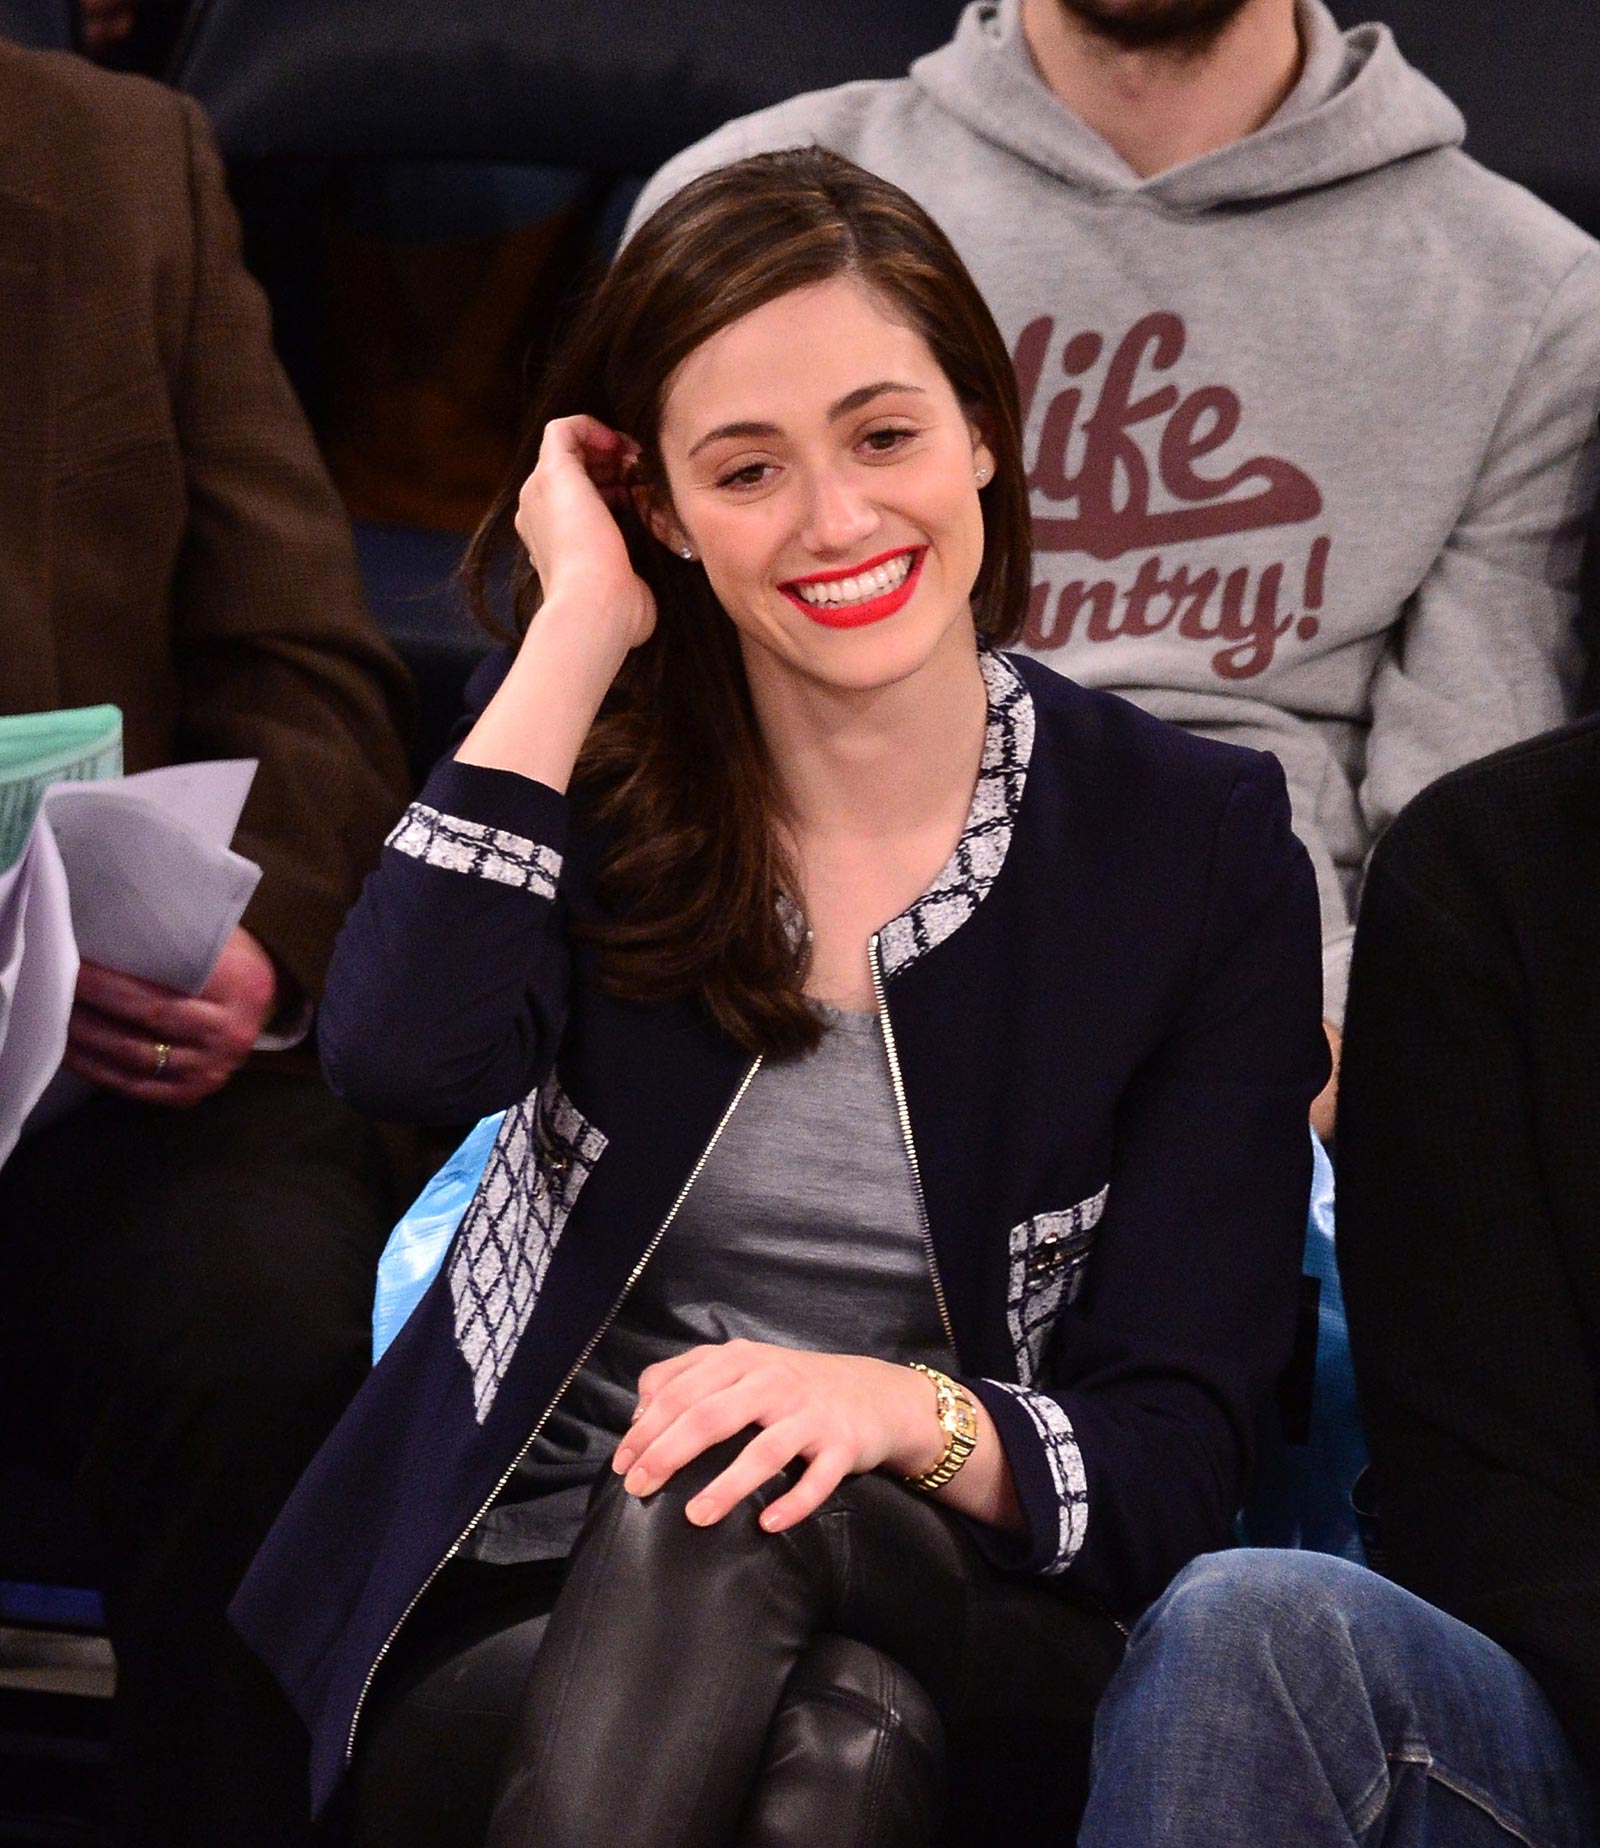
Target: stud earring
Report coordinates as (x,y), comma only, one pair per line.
(686,551)
(980,475)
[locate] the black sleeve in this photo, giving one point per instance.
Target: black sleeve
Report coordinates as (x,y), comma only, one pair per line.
(448,986)
(1131,1456)
(1476,1384)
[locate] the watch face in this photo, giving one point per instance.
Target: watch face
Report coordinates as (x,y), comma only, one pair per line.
(965,1420)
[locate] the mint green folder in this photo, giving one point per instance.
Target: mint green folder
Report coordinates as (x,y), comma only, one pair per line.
(37,749)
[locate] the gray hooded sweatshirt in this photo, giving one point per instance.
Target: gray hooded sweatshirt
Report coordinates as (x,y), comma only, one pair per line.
(1310,420)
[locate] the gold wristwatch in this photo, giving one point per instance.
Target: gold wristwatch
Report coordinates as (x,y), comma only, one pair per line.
(958,1419)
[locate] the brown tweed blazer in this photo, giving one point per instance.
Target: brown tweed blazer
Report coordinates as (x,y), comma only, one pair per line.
(168,539)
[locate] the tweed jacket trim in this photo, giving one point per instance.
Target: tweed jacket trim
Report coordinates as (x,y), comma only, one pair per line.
(545,1150)
(459,846)
(1048,1261)
(1067,1472)
(965,879)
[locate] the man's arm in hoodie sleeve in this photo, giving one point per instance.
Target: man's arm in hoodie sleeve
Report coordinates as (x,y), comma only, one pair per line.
(1486,651)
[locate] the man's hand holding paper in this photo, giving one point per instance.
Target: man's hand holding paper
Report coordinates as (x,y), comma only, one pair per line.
(171,991)
(164,1047)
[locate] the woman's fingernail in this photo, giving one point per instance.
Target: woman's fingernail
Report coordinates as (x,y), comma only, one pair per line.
(700,1512)
(638,1482)
(769,1518)
(622,1461)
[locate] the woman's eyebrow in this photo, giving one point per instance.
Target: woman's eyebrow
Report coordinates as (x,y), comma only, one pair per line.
(732,429)
(851,401)
(864,394)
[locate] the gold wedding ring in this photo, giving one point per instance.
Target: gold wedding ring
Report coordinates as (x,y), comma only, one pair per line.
(160,1053)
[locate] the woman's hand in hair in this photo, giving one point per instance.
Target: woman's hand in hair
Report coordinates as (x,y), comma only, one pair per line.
(844,1414)
(566,517)
(595,606)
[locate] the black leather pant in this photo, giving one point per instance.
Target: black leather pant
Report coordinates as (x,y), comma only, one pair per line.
(693,1687)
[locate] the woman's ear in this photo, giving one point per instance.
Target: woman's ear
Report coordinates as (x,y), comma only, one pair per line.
(982,454)
(662,521)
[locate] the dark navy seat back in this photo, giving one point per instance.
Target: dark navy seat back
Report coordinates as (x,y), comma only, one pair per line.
(611,89)
(1526,77)
(44,24)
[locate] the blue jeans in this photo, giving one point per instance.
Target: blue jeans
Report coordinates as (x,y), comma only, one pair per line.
(1293,1700)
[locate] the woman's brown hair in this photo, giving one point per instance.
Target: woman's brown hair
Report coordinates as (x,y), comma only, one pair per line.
(675,766)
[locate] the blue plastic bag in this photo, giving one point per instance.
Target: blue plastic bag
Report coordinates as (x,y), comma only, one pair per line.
(417,1245)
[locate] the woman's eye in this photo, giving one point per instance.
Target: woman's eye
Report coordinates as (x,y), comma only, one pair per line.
(885,441)
(750,476)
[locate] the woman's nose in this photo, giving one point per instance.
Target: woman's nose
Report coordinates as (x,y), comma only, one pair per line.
(840,516)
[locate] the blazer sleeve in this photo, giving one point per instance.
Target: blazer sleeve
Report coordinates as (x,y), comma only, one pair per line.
(1131,1455)
(1475,1370)
(447,990)
(278,657)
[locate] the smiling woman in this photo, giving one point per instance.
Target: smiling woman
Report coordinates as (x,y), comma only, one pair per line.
(891,1236)
(809,394)
(823,481)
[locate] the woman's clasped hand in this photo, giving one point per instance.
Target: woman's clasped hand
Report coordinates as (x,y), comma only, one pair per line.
(844,1414)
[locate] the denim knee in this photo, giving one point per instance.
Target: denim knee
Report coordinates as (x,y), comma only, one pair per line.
(1273,1589)
(1294,1696)
(1252,1608)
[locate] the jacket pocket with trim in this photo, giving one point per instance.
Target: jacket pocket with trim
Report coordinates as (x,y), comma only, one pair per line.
(1049,1257)
(545,1151)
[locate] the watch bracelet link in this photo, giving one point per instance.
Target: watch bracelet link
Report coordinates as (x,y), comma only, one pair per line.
(958,1420)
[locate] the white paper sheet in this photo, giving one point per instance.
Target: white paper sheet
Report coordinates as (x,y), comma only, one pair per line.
(152,895)
(38,969)
(132,872)
(206,798)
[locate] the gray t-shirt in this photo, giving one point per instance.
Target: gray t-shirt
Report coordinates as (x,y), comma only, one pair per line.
(802,1229)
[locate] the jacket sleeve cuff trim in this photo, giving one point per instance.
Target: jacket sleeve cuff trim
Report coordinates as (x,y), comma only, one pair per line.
(460,846)
(1067,1474)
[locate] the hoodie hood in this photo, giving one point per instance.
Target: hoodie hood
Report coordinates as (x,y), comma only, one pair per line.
(1357,106)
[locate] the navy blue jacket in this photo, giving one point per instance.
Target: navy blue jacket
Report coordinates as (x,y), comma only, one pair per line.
(1106,1018)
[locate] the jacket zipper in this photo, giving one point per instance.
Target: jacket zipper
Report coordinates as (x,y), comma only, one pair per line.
(572,1373)
(916,1177)
(898,1083)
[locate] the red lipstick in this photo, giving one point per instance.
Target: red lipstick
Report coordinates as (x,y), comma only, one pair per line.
(858,615)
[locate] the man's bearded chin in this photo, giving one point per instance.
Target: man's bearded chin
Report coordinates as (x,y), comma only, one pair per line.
(1144,23)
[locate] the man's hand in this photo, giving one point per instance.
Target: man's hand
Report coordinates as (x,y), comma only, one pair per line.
(162,1047)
